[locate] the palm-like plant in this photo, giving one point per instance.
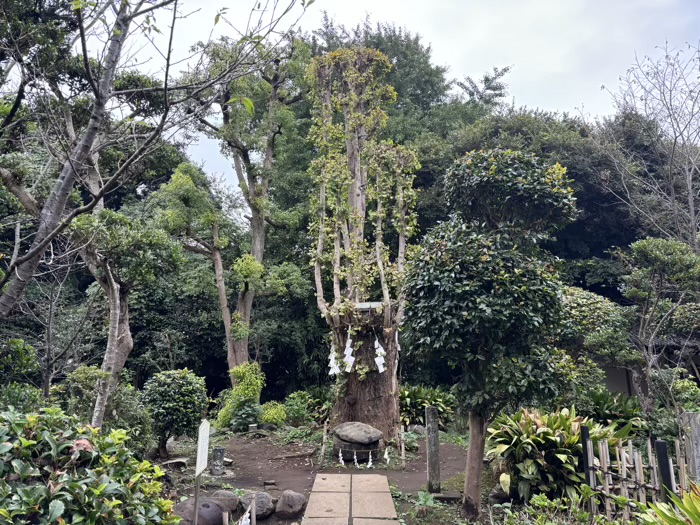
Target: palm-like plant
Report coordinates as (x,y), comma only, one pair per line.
(681,511)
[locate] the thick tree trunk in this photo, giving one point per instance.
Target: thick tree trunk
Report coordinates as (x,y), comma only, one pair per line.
(371,397)
(119,346)
(471,499)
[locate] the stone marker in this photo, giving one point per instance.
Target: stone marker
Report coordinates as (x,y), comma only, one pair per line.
(217,462)
(433,449)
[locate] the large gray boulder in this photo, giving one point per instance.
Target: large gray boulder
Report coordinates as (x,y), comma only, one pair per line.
(264,506)
(210,512)
(356,432)
(357,439)
(290,504)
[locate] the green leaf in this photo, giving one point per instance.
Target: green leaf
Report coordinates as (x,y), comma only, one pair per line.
(56,508)
(504,481)
(248,104)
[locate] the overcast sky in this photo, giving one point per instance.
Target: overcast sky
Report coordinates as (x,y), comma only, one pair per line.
(562,51)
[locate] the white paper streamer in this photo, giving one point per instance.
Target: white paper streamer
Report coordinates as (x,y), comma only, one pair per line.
(354,458)
(333,363)
(340,458)
(369,463)
(379,350)
(386,455)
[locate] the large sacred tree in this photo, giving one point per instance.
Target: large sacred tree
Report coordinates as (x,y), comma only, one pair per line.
(363,218)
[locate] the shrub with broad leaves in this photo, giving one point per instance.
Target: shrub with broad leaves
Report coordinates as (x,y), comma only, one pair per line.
(544,452)
(55,470)
(414,399)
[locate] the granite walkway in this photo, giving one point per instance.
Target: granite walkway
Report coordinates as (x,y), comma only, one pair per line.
(350,499)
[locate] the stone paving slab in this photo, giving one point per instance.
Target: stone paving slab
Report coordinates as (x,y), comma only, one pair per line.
(373,505)
(332,483)
(328,505)
(372,521)
(369,483)
(329,521)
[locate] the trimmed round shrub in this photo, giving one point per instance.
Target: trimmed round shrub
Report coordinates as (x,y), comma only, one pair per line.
(274,413)
(55,470)
(177,400)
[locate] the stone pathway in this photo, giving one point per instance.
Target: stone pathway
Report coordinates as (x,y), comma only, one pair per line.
(345,499)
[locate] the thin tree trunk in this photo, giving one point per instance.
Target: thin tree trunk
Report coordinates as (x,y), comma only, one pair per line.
(471,499)
(119,346)
(223,299)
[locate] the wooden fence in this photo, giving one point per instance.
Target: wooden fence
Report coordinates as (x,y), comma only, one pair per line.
(624,476)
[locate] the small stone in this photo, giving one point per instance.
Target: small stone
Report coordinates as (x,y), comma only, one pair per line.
(228,461)
(226,499)
(269,482)
(290,504)
(268,426)
(264,507)
(355,432)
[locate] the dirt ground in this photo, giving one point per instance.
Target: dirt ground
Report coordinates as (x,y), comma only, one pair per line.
(294,466)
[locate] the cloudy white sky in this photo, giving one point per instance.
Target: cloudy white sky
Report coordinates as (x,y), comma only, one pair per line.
(562,51)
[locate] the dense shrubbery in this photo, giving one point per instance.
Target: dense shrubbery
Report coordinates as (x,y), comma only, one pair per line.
(177,401)
(273,413)
(240,406)
(21,396)
(125,409)
(543,452)
(544,511)
(55,470)
(298,407)
(414,399)
(616,409)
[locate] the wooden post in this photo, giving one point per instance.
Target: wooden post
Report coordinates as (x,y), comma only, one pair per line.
(603,454)
(254,511)
(433,448)
(664,468)
(323,447)
(690,428)
(588,463)
(403,448)
(641,479)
